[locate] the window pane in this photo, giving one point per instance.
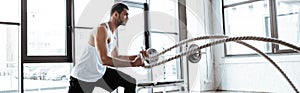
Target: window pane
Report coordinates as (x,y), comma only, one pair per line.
(168,71)
(163,15)
(164,18)
(9,10)
(46,77)
(46,28)
(247,20)
(166,42)
(9,58)
(288,23)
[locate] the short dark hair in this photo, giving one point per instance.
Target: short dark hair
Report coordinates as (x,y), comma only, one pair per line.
(118,7)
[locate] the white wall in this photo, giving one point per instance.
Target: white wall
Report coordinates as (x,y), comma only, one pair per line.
(257,74)
(251,73)
(200,75)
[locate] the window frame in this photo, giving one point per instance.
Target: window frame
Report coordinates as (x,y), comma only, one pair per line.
(68,58)
(10,23)
(273,29)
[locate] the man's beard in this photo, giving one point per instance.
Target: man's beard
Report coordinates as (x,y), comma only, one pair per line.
(120,22)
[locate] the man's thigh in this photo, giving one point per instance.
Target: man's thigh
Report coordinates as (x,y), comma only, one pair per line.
(113,78)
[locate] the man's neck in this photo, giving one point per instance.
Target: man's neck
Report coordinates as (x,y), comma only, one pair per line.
(112,26)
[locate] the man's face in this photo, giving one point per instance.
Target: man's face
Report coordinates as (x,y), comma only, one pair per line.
(123,17)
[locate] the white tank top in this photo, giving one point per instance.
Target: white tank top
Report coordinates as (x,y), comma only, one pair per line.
(90,67)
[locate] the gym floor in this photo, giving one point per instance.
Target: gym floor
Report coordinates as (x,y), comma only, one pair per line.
(218,92)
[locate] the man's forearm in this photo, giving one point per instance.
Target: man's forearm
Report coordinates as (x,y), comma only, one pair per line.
(132,57)
(118,62)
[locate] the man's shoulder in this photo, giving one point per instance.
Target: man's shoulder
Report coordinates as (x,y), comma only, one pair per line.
(102,25)
(101,28)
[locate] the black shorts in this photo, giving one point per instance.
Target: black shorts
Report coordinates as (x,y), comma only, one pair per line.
(111,80)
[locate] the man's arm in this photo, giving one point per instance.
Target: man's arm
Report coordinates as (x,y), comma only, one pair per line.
(100,45)
(124,57)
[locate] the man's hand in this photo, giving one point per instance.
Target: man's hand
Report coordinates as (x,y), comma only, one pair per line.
(137,62)
(144,53)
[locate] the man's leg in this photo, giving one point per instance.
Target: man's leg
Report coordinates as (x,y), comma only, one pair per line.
(128,82)
(114,78)
(74,86)
(78,86)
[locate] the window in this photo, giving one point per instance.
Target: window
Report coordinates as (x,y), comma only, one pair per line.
(9,10)
(46,77)
(9,57)
(46,28)
(47,31)
(164,32)
(243,20)
(10,46)
(288,22)
(252,18)
(46,50)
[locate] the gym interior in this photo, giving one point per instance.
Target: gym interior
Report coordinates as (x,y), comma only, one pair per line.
(246,45)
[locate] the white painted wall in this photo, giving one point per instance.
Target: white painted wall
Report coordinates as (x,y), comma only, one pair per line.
(200,75)
(257,74)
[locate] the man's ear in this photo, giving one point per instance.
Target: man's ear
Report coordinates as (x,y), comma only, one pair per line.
(115,14)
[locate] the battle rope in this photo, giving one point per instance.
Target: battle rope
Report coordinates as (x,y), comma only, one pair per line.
(186,41)
(236,39)
(271,61)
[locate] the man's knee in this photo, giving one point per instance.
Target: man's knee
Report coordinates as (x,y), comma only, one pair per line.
(128,78)
(132,80)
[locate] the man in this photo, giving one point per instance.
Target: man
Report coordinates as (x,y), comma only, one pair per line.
(94,67)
